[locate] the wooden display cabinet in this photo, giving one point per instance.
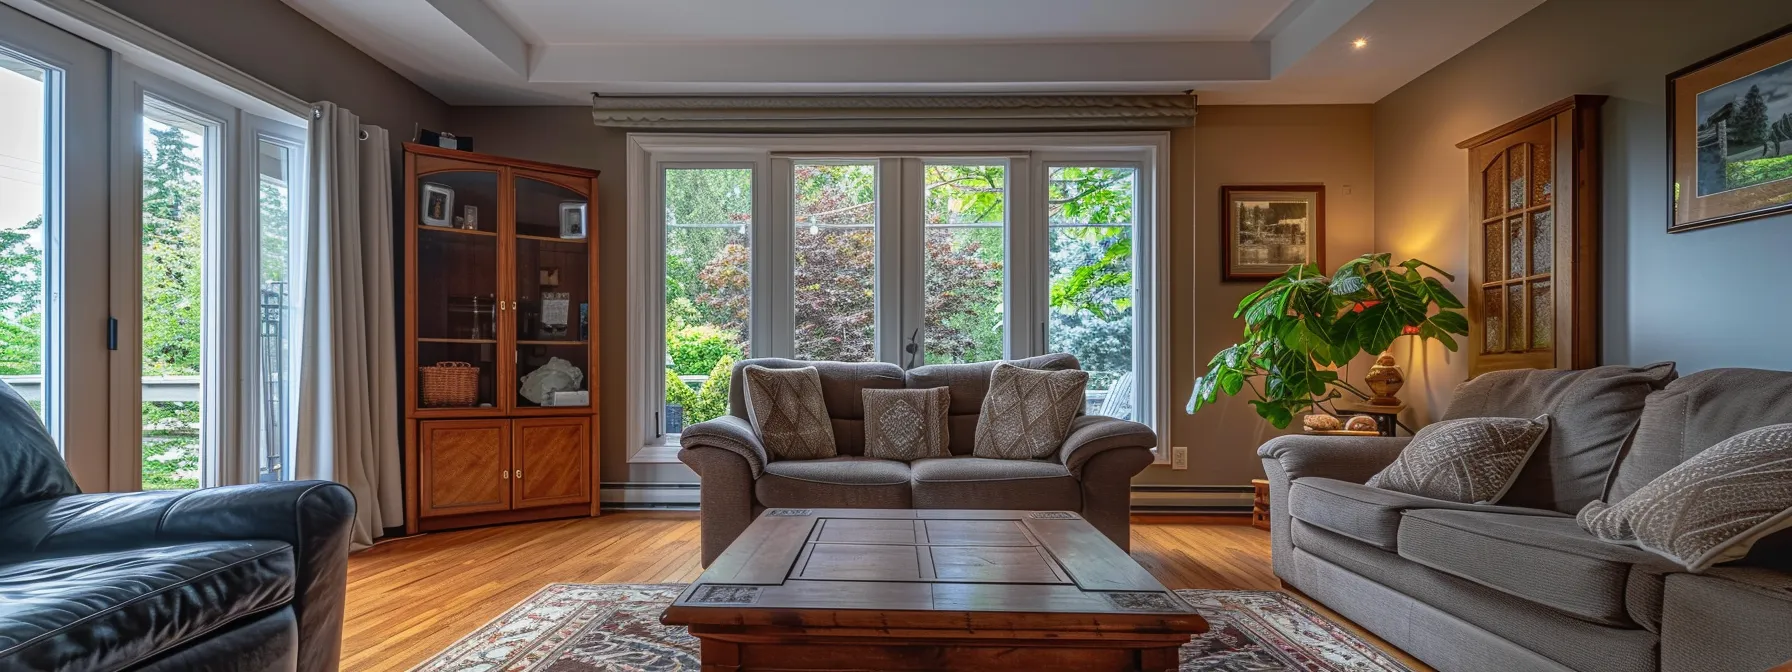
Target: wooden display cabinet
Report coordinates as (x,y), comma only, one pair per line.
(507,287)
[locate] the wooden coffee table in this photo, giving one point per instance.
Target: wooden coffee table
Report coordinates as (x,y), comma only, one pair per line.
(874,589)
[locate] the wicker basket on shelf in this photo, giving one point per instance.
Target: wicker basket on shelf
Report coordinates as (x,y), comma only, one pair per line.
(448,384)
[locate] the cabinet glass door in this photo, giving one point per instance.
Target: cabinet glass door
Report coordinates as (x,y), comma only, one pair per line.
(458,313)
(553,301)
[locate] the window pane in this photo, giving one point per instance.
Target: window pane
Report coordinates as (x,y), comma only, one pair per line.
(174,203)
(1092,216)
(835,288)
(966,211)
(708,217)
(274,210)
(23,252)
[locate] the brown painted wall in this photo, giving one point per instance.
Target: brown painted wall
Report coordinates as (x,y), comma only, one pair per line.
(275,44)
(1292,144)
(1695,297)
(1289,144)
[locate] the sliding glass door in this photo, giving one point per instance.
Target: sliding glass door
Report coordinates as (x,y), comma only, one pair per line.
(206,314)
(53,211)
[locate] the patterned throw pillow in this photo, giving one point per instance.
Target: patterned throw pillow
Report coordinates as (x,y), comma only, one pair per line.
(788,412)
(1027,413)
(1711,508)
(907,425)
(1471,460)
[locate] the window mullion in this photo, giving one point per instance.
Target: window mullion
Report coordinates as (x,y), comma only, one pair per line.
(1025,265)
(766,240)
(912,271)
(892,329)
(777,273)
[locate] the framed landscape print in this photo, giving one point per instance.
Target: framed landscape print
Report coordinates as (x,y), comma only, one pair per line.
(1271,228)
(1730,135)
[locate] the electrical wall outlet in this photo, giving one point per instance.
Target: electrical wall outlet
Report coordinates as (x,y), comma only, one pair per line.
(1179,457)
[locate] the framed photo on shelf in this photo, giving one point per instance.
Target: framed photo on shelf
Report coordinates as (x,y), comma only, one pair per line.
(1269,229)
(572,219)
(437,208)
(1730,135)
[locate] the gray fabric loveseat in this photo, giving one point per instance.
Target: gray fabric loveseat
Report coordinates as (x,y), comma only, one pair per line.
(1520,586)
(1091,474)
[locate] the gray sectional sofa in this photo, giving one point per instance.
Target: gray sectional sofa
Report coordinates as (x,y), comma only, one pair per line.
(1091,474)
(1520,586)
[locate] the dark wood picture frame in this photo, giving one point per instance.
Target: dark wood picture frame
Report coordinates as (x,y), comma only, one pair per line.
(1763,199)
(1315,193)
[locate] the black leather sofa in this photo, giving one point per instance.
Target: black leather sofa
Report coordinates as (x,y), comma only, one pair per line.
(234,578)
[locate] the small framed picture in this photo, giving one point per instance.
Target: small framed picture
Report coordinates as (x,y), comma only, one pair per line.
(1270,229)
(550,277)
(1730,122)
(437,205)
(572,219)
(469,218)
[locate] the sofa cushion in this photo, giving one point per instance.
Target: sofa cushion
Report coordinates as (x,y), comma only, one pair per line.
(31,467)
(834,482)
(1545,559)
(1370,515)
(1575,643)
(1471,460)
(1695,413)
(907,425)
(983,483)
(788,413)
(1592,413)
(1731,618)
(1027,413)
(113,610)
(842,387)
(970,383)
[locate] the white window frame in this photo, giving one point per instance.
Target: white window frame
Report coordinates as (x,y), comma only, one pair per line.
(230,397)
(1028,157)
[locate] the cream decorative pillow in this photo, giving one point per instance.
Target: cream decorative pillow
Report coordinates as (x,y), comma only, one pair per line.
(1711,508)
(788,412)
(1471,460)
(1027,413)
(907,425)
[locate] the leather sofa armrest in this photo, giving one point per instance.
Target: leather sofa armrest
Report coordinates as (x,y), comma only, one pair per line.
(729,433)
(1345,458)
(1091,435)
(314,517)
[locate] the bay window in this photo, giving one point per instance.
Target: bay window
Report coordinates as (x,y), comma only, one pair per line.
(904,249)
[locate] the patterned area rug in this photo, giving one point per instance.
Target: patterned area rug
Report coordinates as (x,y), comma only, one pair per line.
(570,627)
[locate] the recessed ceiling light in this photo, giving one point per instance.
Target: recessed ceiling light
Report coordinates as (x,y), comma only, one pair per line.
(1360,42)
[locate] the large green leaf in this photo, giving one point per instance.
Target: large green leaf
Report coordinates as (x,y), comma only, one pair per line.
(1451,322)
(1377,327)
(1441,294)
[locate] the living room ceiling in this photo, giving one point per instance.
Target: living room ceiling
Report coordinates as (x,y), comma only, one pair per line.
(556,52)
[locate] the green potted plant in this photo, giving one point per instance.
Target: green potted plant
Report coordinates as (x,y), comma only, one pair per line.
(1304,322)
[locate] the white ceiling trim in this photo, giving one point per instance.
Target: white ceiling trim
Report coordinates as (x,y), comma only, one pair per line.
(654,68)
(865,113)
(489,29)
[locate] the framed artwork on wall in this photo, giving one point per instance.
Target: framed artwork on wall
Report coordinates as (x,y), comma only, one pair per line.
(1730,135)
(1269,229)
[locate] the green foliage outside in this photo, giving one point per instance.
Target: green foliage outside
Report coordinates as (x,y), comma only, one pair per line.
(707,402)
(173,202)
(21,300)
(708,266)
(1305,320)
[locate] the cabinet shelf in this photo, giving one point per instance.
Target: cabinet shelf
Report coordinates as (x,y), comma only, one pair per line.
(553,239)
(470,341)
(450,229)
(553,342)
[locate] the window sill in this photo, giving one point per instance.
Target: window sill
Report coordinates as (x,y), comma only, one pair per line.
(663,453)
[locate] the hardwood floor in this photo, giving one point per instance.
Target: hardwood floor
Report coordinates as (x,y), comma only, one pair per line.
(410,598)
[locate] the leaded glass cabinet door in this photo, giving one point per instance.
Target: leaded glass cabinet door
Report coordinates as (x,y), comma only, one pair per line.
(1534,260)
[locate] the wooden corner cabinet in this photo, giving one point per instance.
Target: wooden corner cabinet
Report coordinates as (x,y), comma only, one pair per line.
(499,289)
